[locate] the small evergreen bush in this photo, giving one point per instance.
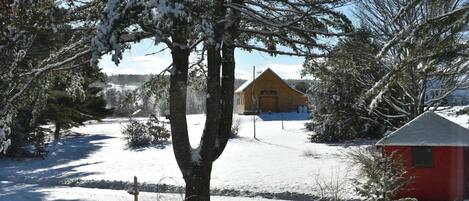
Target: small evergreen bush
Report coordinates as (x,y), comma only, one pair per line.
(139,134)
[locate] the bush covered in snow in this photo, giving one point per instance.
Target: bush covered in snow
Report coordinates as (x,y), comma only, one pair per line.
(138,134)
(156,129)
(235,128)
(380,177)
(135,133)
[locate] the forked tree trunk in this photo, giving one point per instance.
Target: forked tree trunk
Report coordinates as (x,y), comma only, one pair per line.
(198,183)
(196,171)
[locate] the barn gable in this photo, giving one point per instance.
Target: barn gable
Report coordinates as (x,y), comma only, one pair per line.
(428,129)
(249,83)
(268,93)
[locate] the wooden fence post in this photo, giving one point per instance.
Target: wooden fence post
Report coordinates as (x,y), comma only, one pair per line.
(282,120)
(135,189)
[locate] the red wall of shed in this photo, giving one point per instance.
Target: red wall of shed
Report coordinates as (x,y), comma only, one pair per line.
(444,181)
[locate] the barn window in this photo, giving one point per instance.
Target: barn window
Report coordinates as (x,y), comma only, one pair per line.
(264,92)
(273,92)
(422,156)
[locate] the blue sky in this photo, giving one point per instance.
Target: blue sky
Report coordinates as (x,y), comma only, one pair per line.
(135,62)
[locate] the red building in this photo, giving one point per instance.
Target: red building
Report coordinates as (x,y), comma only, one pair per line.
(436,153)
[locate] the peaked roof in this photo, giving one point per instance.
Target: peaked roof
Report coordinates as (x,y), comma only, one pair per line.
(248,83)
(428,129)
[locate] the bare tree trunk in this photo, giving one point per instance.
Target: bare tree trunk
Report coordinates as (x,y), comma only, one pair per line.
(58,127)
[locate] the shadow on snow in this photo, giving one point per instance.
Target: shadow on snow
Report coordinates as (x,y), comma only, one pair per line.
(54,170)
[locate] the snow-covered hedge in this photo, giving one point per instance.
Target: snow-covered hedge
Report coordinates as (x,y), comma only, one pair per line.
(235,128)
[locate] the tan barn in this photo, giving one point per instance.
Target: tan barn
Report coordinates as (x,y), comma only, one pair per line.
(268,93)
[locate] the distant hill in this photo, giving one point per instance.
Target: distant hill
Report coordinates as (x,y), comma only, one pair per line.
(137,80)
(128,79)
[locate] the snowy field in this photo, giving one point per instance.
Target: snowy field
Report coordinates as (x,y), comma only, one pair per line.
(280,164)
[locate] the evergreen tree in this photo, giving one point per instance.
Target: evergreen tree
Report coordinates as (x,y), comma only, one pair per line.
(66,110)
(338,110)
(35,42)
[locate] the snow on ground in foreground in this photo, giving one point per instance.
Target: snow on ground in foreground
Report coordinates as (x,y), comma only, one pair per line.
(30,192)
(273,163)
(276,162)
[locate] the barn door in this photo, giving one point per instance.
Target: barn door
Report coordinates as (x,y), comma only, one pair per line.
(268,104)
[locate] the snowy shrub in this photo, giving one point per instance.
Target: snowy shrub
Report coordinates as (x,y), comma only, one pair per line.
(157,130)
(235,128)
(332,188)
(138,134)
(463,111)
(311,153)
(380,177)
(39,142)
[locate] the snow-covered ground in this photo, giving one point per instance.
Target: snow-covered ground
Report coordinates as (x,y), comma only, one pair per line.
(278,164)
(32,192)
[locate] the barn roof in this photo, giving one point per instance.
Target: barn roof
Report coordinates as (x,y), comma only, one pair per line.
(428,129)
(246,84)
